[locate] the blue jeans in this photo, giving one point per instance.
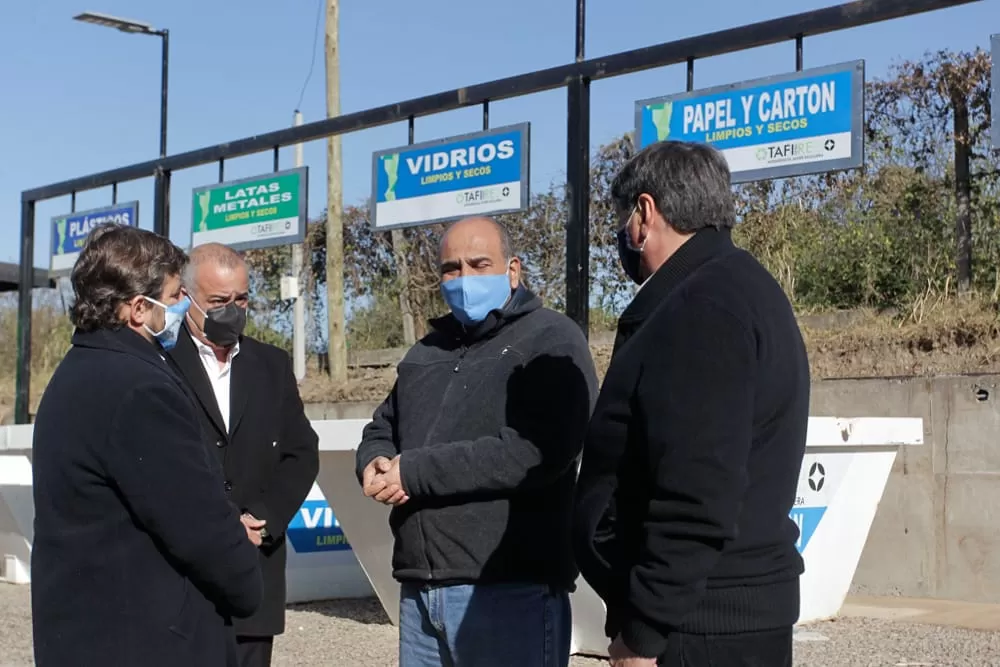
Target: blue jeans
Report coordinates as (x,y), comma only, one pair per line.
(485,625)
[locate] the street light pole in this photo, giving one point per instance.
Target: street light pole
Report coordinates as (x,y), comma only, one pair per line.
(161,208)
(161,189)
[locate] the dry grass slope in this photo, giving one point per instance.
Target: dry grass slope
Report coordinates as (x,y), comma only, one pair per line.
(946,336)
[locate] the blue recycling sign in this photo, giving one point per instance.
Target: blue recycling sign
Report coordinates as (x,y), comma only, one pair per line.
(314,528)
(70,231)
(807,519)
(484,173)
(788,125)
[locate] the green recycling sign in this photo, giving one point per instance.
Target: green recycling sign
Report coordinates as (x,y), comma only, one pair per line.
(250,213)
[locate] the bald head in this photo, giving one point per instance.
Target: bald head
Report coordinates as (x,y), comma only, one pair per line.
(215,276)
(215,256)
(478,246)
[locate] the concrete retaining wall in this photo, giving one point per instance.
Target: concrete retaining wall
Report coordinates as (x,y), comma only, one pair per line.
(937,531)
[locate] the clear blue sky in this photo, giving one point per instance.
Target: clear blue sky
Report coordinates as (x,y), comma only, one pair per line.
(78,98)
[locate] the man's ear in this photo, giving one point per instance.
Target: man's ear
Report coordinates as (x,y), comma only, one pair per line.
(137,310)
(515,272)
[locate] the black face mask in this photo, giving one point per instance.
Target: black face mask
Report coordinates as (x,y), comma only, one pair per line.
(629,256)
(224,325)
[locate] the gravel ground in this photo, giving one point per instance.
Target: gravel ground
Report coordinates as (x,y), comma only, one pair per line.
(357,633)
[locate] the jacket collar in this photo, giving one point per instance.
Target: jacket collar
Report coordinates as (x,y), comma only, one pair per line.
(123,340)
(521,302)
(705,245)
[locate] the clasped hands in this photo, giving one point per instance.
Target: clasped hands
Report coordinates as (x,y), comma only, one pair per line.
(382,481)
(253,527)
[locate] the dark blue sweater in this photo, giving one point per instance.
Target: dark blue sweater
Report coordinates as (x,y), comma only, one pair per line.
(490,424)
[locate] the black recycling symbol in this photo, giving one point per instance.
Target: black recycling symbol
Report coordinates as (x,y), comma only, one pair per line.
(817,476)
(830,143)
(506,191)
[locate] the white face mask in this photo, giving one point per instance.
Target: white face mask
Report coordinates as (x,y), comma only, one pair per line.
(173,317)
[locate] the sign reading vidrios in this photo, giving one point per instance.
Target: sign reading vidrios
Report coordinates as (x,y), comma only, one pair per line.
(789,125)
(69,231)
(254,212)
(485,173)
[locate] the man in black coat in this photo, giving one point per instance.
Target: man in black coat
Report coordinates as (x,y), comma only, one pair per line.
(477,448)
(139,558)
(253,422)
(692,458)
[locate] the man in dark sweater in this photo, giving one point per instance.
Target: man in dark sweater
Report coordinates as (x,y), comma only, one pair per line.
(691,461)
(476,447)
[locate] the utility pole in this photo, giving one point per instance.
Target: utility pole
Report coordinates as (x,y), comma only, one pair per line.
(405,308)
(299,311)
(337,345)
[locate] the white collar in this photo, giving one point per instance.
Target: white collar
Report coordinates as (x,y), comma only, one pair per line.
(206,350)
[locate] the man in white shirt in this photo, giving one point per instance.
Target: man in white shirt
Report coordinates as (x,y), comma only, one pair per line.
(252,419)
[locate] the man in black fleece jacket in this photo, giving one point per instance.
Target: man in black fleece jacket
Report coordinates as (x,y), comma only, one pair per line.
(691,461)
(477,448)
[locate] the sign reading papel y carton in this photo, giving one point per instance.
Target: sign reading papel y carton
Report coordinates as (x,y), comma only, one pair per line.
(69,231)
(485,173)
(256,212)
(788,125)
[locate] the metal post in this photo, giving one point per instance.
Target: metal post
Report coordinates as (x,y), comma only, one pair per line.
(22,395)
(299,307)
(690,81)
(277,163)
(161,207)
(222,170)
(486,115)
(399,254)
(72,202)
(114,193)
(798,53)
(165,36)
(578,188)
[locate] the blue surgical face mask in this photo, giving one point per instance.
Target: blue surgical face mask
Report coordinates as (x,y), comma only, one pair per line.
(173,317)
(471,298)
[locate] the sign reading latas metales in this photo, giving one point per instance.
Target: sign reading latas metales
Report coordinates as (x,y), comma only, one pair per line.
(256,212)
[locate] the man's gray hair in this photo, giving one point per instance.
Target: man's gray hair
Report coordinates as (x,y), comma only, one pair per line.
(689,183)
(506,245)
(210,253)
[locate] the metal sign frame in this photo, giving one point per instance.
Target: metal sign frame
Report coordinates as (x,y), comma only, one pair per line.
(298,237)
(856,68)
(524,149)
(575,77)
(133,205)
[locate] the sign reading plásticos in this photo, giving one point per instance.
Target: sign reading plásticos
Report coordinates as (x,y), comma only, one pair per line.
(789,125)
(256,212)
(70,231)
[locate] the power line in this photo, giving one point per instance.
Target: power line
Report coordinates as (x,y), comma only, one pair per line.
(312,63)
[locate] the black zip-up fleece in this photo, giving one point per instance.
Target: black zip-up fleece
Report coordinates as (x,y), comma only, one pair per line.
(489,424)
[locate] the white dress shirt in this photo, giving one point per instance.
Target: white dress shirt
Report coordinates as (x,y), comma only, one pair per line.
(218,376)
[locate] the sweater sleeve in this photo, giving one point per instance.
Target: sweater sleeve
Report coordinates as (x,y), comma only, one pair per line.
(551,398)
(379,436)
(695,408)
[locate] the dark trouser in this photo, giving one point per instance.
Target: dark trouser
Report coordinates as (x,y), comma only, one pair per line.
(772,648)
(254,651)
